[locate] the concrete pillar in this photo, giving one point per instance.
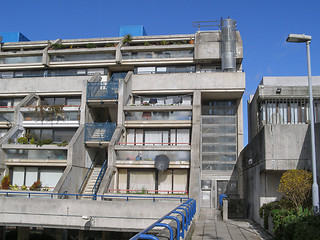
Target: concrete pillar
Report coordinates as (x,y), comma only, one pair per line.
(225,209)
(2,233)
(64,234)
(194,181)
(23,233)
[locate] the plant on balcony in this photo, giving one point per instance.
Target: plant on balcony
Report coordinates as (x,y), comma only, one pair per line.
(58,46)
(22,140)
(15,187)
(146,43)
(110,45)
(127,39)
(5,182)
(164,42)
(53,111)
(36,186)
(46,189)
(91,45)
(32,141)
(63,144)
(24,188)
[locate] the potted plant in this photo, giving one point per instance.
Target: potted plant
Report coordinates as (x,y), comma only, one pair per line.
(36,186)
(5,182)
(127,39)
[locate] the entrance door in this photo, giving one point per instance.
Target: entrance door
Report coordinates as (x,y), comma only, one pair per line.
(206,199)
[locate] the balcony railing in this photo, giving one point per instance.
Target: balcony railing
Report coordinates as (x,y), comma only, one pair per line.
(104,91)
(158,116)
(101,132)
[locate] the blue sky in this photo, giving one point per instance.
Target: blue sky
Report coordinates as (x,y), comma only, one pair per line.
(264,26)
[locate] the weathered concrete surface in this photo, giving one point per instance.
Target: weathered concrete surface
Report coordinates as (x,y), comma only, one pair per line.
(132,215)
(211,226)
(217,81)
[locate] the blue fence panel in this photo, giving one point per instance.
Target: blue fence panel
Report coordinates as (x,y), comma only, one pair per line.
(99,131)
(105,91)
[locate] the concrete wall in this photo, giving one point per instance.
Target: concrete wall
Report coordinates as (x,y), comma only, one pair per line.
(186,82)
(42,85)
(133,215)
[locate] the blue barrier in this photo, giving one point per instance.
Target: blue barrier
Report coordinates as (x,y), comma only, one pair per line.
(190,209)
(10,193)
(105,91)
(99,131)
(99,179)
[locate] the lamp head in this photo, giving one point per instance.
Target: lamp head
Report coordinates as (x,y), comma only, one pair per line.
(298,38)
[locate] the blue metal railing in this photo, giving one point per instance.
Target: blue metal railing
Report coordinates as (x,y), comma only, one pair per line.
(103,91)
(99,131)
(89,170)
(99,179)
(28,194)
(186,210)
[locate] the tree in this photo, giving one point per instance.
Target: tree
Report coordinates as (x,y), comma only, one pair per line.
(295,185)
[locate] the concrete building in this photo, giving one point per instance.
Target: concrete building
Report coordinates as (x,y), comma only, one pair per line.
(279,137)
(151,114)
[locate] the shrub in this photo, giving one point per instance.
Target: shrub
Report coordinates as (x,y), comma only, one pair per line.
(24,188)
(5,182)
(295,185)
(32,141)
(63,144)
(47,141)
(15,187)
(22,140)
(127,39)
(36,186)
(91,45)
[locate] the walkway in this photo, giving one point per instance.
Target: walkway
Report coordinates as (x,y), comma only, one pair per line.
(211,226)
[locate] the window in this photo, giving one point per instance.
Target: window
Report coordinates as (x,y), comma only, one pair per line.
(287,111)
(55,134)
(60,101)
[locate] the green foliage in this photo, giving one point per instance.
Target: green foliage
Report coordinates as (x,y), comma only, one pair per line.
(164,42)
(15,187)
(91,45)
(32,141)
(47,141)
(58,46)
(24,188)
(296,185)
(127,39)
(22,140)
(146,43)
(63,144)
(266,210)
(286,221)
(109,45)
(39,143)
(5,182)
(36,186)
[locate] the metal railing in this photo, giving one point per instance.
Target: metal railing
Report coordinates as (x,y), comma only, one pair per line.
(99,131)
(145,191)
(105,90)
(99,179)
(77,196)
(89,170)
(186,210)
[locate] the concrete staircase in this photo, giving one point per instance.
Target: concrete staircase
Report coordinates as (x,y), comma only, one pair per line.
(98,133)
(90,184)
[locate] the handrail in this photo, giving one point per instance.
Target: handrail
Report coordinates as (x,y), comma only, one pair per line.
(99,179)
(149,191)
(78,196)
(63,195)
(147,143)
(94,159)
(190,209)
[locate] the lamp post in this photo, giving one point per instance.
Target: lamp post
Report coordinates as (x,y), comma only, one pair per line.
(300,38)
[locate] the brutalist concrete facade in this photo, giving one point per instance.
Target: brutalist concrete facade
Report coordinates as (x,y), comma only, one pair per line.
(279,137)
(120,106)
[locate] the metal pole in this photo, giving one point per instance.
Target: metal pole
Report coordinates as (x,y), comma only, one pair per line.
(315,189)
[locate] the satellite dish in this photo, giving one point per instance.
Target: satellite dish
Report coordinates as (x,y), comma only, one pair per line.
(161,162)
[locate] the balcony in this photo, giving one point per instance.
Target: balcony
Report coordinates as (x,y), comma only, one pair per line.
(49,116)
(105,90)
(97,134)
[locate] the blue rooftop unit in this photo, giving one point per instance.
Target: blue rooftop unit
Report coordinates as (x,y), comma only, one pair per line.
(13,37)
(133,30)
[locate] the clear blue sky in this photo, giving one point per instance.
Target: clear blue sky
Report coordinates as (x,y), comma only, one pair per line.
(264,26)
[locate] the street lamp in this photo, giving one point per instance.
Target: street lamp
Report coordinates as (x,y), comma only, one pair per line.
(300,38)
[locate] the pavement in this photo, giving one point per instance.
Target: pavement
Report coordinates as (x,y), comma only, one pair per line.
(210,225)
